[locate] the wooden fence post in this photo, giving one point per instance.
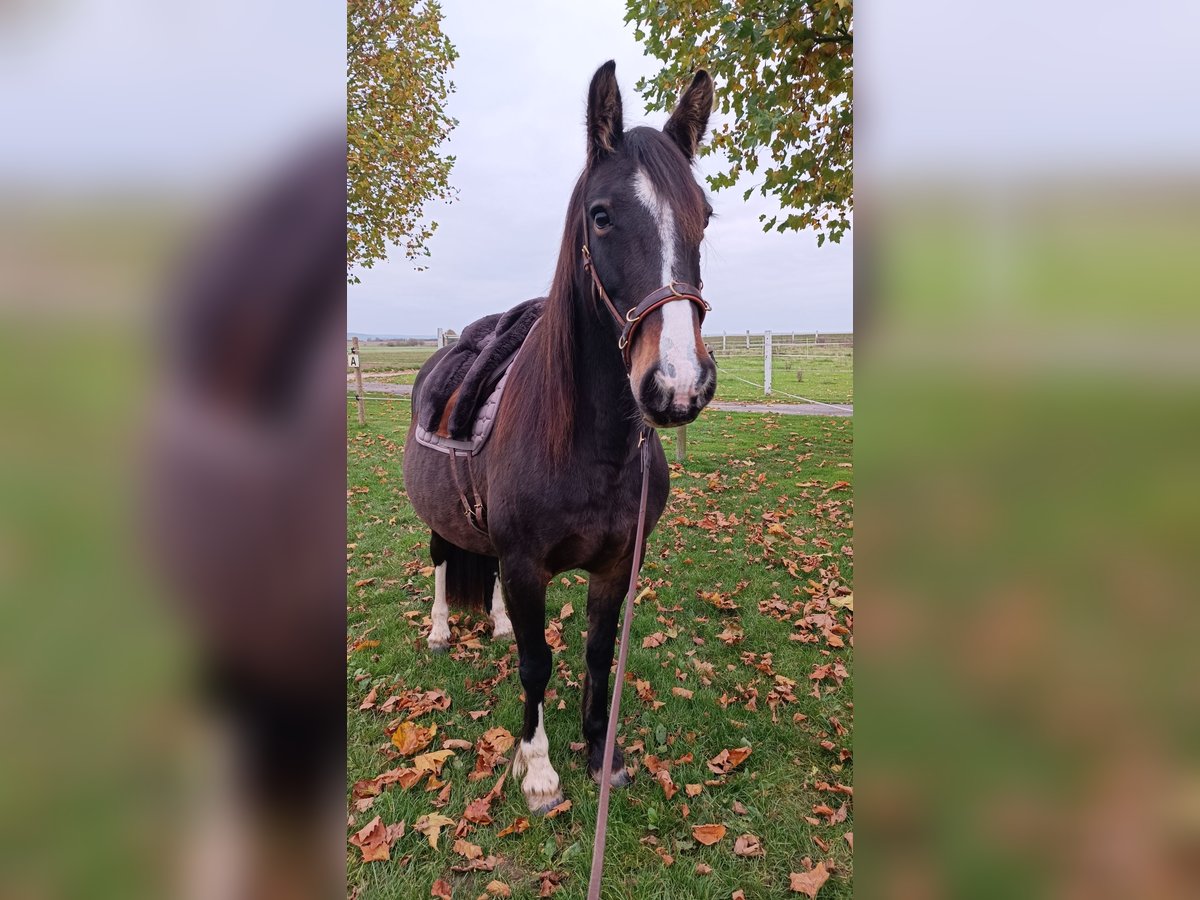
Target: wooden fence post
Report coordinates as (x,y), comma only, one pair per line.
(747,340)
(767,363)
(724,338)
(680,443)
(356,363)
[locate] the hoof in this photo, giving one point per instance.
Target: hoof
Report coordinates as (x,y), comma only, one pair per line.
(540,806)
(439,646)
(501,634)
(618,779)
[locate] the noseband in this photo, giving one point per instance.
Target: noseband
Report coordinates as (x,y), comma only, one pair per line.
(628,323)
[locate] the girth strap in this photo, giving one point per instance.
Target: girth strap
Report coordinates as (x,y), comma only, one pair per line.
(476,514)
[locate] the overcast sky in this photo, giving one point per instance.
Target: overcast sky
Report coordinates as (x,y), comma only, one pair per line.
(521,87)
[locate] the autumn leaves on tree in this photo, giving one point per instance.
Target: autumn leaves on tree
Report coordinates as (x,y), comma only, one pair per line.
(397,81)
(784,71)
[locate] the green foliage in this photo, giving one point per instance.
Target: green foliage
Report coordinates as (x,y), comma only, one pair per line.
(397,81)
(784,71)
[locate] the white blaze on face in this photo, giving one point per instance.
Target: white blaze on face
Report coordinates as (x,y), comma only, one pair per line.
(679,369)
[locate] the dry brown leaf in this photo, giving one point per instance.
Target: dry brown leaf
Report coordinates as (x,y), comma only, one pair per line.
(748,845)
(501,739)
(498,889)
(465,848)
(409,738)
(693,790)
(727,760)
(479,811)
(431,826)
(808,883)
(668,786)
(431,763)
(561,808)
(369,702)
(441,889)
(372,840)
(550,882)
(708,834)
(567,611)
(703,869)
(521,824)
(739,894)
(682,692)
(849,836)
(654,640)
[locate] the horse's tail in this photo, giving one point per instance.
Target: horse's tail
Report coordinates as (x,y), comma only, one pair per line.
(470,577)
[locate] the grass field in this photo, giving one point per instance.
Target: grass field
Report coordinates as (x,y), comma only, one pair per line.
(828,375)
(744,643)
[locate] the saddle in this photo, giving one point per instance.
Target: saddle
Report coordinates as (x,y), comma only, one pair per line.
(456,402)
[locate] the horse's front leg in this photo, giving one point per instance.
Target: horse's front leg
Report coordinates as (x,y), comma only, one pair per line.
(525,587)
(605,594)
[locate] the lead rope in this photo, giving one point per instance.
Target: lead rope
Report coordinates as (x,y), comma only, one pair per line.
(610,738)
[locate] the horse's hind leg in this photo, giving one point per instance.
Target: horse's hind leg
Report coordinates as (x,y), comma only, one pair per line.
(501,625)
(605,593)
(439,634)
(526,587)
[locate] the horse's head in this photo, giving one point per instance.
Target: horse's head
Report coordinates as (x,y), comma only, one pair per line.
(644,218)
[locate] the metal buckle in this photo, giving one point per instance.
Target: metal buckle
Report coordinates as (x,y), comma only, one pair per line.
(630,317)
(622,343)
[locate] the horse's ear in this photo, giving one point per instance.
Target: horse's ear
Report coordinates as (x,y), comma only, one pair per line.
(604,125)
(686,125)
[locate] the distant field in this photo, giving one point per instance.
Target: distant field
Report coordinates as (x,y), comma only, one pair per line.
(821,372)
(380,358)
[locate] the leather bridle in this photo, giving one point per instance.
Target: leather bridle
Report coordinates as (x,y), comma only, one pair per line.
(628,323)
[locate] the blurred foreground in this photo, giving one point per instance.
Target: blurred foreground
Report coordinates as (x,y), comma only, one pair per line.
(171,454)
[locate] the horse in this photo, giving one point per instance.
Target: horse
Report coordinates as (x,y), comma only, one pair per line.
(616,352)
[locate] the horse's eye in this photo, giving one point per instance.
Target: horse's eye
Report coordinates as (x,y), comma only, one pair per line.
(600,219)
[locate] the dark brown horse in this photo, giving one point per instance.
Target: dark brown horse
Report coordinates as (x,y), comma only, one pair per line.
(560,476)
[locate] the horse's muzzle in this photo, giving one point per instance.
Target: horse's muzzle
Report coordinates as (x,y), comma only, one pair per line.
(669,406)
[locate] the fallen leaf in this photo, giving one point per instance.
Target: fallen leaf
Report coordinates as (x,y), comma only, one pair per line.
(498,889)
(708,834)
(409,738)
(703,869)
(431,763)
(431,826)
(567,610)
(441,889)
(682,692)
(727,760)
(550,882)
(369,702)
(465,848)
(693,790)
(561,808)
(372,840)
(479,811)
(748,845)
(654,640)
(521,824)
(808,883)
(849,836)
(739,894)
(668,786)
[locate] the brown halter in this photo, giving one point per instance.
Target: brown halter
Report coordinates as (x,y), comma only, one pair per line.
(628,323)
